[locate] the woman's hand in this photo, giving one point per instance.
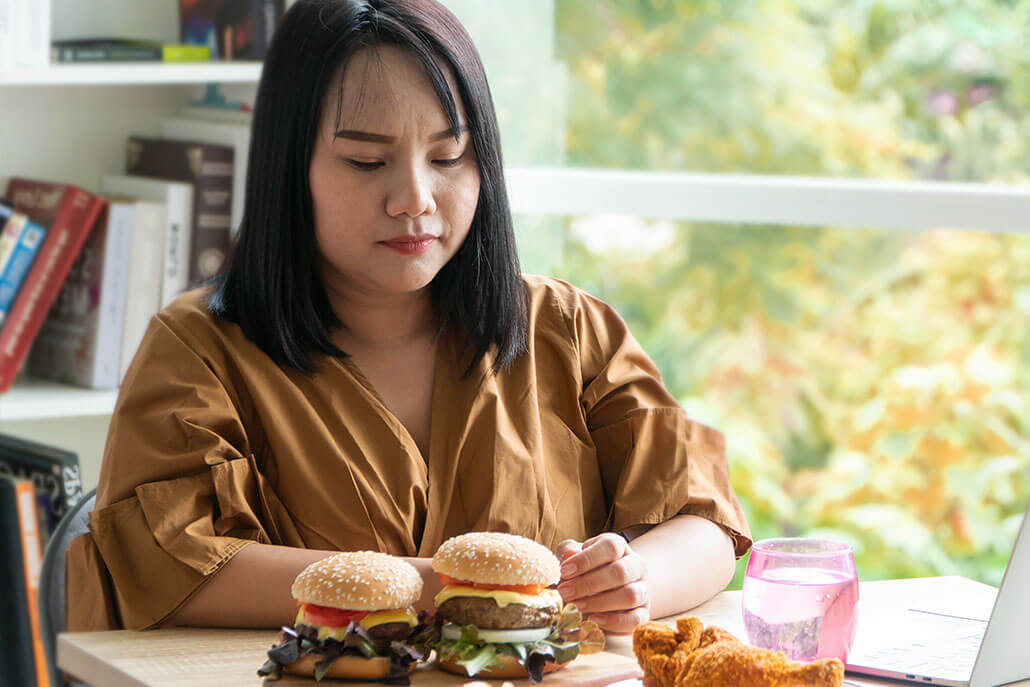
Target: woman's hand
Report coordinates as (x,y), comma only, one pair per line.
(606,580)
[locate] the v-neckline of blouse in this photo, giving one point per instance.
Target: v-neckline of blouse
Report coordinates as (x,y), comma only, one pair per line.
(404,434)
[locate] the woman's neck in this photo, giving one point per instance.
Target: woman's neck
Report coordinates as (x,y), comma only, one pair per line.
(378,322)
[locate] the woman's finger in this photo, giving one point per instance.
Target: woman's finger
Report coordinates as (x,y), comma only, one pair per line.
(604,549)
(567,548)
(620,573)
(620,623)
(633,595)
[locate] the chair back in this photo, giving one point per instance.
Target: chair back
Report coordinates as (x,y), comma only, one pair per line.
(52,576)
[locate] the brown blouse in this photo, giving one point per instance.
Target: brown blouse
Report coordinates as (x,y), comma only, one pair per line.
(212,446)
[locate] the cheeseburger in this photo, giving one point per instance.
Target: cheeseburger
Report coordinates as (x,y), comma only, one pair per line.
(498,616)
(355,621)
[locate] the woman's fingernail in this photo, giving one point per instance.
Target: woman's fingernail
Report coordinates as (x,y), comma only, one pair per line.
(568,570)
(567,591)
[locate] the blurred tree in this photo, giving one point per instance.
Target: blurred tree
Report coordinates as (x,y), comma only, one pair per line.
(874,386)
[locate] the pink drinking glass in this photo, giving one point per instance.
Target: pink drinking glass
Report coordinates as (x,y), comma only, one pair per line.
(801,597)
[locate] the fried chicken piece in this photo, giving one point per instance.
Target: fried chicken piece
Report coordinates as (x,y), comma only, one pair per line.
(713,634)
(689,631)
(652,639)
(734,663)
(669,670)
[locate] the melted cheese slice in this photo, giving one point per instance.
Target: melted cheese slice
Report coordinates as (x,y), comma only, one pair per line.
(404,615)
(547,597)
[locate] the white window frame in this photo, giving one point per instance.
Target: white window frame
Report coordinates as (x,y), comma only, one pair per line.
(779,200)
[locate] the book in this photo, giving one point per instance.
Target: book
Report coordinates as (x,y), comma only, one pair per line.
(69,214)
(80,341)
(54,471)
(19,245)
(177,198)
(236,136)
(25,661)
(233,29)
(24,34)
(145,282)
(209,168)
(121,50)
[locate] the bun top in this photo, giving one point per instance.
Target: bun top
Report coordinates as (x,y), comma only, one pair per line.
(496,558)
(359,581)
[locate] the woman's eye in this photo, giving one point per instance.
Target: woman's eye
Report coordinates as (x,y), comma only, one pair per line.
(452,162)
(363,166)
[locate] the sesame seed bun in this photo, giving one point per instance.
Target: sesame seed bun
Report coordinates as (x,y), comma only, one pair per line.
(359,581)
(496,558)
(345,667)
(508,666)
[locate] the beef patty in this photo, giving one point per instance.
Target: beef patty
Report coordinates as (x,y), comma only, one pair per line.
(485,613)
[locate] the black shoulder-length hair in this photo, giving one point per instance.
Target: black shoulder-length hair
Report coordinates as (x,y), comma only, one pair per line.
(271,285)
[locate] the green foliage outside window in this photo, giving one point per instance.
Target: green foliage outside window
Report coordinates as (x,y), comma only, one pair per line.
(874,386)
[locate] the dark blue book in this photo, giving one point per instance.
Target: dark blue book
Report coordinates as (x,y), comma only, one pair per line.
(54,472)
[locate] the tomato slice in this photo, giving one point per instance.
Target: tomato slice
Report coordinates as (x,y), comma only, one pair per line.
(517,588)
(326,616)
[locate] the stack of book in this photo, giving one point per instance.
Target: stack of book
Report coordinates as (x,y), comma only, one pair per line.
(81,273)
(38,485)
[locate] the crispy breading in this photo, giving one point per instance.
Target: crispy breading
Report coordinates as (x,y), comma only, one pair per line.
(669,669)
(650,639)
(734,663)
(713,634)
(688,633)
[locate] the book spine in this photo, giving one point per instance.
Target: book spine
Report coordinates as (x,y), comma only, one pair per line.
(144,289)
(107,53)
(212,218)
(185,53)
(78,212)
(16,649)
(178,237)
(9,238)
(32,562)
(22,257)
(113,294)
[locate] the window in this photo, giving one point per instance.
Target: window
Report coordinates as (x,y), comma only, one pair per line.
(856,318)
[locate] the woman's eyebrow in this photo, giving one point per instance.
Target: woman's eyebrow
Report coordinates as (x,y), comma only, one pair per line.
(383,138)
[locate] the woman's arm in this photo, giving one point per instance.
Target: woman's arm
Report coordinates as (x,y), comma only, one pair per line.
(252,590)
(668,569)
(689,560)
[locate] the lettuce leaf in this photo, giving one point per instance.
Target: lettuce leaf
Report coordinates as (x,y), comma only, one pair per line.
(295,643)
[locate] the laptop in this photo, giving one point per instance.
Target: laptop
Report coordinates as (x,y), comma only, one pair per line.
(934,647)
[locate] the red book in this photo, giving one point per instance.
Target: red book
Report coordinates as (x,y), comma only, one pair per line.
(70,212)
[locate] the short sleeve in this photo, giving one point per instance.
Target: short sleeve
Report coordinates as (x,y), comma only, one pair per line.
(180,492)
(655,462)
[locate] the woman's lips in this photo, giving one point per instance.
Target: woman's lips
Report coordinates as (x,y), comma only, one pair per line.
(415,245)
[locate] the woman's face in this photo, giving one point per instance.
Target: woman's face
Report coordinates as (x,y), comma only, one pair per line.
(394,194)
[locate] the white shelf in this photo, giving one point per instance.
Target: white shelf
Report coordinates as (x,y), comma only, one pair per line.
(34,399)
(133,73)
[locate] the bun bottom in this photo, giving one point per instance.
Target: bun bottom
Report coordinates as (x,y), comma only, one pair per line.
(344,668)
(508,667)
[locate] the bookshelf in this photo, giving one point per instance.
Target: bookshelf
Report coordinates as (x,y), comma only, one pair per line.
(69,123)
(133,73)
(34,399)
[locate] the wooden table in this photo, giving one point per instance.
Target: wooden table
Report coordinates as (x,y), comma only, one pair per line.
(223,658)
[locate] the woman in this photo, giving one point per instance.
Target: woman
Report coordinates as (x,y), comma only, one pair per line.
(371,370)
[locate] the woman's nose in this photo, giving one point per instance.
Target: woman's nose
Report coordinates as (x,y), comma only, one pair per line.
(411,192)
